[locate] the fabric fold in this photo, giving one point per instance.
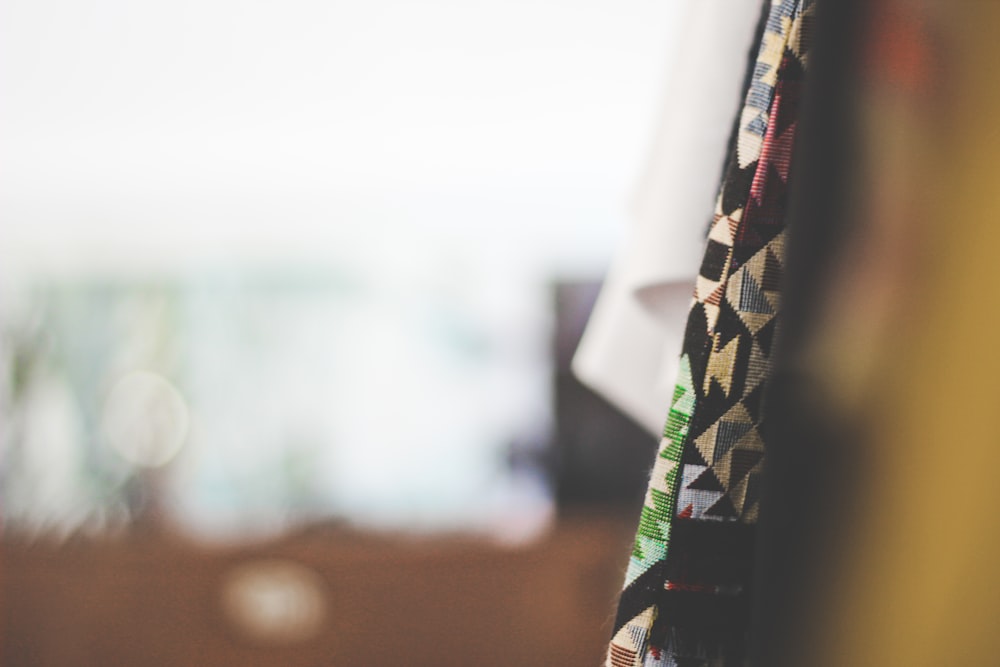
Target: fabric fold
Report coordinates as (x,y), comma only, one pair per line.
(629,349)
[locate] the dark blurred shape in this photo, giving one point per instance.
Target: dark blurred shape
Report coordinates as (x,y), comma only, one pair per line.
(807,464)
(878,546)
(600,456)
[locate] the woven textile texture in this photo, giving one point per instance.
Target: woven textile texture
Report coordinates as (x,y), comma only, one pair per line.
(686,595)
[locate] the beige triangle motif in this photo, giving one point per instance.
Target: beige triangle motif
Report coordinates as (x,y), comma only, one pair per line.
(720,365)
(704,288)
(756,321)
(711,316)
(706,442)
(721,231)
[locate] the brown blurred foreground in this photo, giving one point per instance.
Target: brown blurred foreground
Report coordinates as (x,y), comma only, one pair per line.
(332,598)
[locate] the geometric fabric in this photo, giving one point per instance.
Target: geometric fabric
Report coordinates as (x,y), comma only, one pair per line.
(686,591)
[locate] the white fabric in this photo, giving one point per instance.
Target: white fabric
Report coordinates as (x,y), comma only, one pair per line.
(630,349)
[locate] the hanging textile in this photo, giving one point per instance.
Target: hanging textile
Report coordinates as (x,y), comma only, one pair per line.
(686,594)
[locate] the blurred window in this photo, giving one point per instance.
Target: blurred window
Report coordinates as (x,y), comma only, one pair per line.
(269,262)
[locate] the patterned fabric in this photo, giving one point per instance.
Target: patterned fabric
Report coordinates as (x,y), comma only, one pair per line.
(686,592)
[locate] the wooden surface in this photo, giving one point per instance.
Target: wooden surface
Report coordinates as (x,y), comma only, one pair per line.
(389,601)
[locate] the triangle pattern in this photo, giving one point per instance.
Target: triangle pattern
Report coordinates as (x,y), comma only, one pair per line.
(742,463)
(711,316)
(773,273)
(707,481)
(722,230)
(727,434)
(723,508)
(714,445)
(755,321)
(765,336)
(752,402)
(757,364)
(720,366)
(704,288)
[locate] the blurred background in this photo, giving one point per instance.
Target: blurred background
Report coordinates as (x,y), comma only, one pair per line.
(288,293)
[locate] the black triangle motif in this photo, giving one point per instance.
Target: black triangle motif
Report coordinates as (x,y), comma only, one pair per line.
(738,180)
(752,402)
(765,336)
(707,481)
(723,507)
(743,460)
(729,325)
(692,456)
